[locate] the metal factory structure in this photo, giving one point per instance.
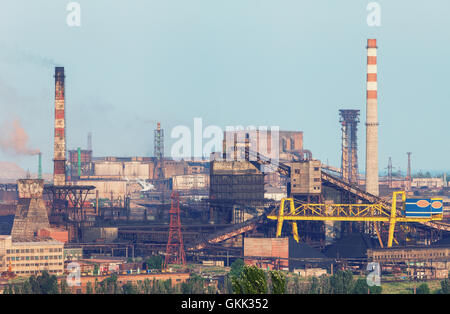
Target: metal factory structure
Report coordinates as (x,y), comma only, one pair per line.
(228,203)
(175,248)
(349,160)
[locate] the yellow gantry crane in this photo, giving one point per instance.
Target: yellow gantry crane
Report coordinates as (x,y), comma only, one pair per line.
(351,212)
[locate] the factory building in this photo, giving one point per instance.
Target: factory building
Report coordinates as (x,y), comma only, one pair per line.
(31,257)
(273,144)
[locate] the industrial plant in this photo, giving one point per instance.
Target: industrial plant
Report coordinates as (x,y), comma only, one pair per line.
(264,199)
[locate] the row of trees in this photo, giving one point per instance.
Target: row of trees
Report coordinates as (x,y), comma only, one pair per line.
(253,280)
(241,279)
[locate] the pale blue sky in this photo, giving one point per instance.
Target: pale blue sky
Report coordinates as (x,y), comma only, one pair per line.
(235,62)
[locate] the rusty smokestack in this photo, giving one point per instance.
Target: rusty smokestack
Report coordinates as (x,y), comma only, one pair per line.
(59,157)
(372,119)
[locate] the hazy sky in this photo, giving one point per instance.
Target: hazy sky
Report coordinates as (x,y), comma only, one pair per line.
(234,62)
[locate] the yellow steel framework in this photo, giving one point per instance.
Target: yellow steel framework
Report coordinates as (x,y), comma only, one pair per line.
(344,212)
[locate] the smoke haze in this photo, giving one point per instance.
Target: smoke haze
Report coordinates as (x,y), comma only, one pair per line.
(14,139)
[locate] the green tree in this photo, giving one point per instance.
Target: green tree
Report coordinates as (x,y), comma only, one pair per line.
(109,285)
(64,287)
(251,281)
(236,267)
(89,289)
(445,286)
(129,288)
(278,280)
(43,284)
(155,262)
(423,289)
(341,282)
(194,285)
(360,287)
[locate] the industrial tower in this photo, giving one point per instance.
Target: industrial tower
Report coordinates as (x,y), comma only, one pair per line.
(372,119)
(59,158)
(159,151)
(349,120)
(408,173)
(175,249)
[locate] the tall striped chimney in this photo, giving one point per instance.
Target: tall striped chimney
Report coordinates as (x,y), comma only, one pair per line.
(372,119)
(59,157)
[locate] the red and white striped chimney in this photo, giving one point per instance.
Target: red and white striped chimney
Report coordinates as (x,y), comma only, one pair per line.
(59,157)
(372,119)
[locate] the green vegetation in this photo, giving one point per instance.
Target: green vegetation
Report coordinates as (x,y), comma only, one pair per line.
(445,286)
(155,262)
(194,285)
(252,280)
(342,282)
(43,284)
(236,268)
(423,289)
(278,282)
(407,287)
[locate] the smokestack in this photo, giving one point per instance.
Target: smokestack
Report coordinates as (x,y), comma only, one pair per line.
(40,166)
(408,173)
(372,119)
(89,141)
(59,157)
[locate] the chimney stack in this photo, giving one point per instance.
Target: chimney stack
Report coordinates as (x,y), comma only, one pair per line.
(59,157)
(372,120)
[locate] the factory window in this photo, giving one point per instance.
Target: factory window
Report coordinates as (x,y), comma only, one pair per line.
(316,168)
(7,251)
(297,171)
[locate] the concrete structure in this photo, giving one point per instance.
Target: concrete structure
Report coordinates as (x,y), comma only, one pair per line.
(31,214)
(421,262)
(372,119)
(56,234)
(310,272)
(73,254)
(275,249)
(274,193)
(236,182)
(110,189)
(99,234)
(59,157)
(427,182)
(31,257)
(306,178)
(273,144)
(190,182)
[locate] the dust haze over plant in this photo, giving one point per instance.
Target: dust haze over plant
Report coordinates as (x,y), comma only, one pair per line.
(14,140)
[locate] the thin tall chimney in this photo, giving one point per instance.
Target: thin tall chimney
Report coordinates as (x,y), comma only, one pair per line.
(372,119)
(59,157)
